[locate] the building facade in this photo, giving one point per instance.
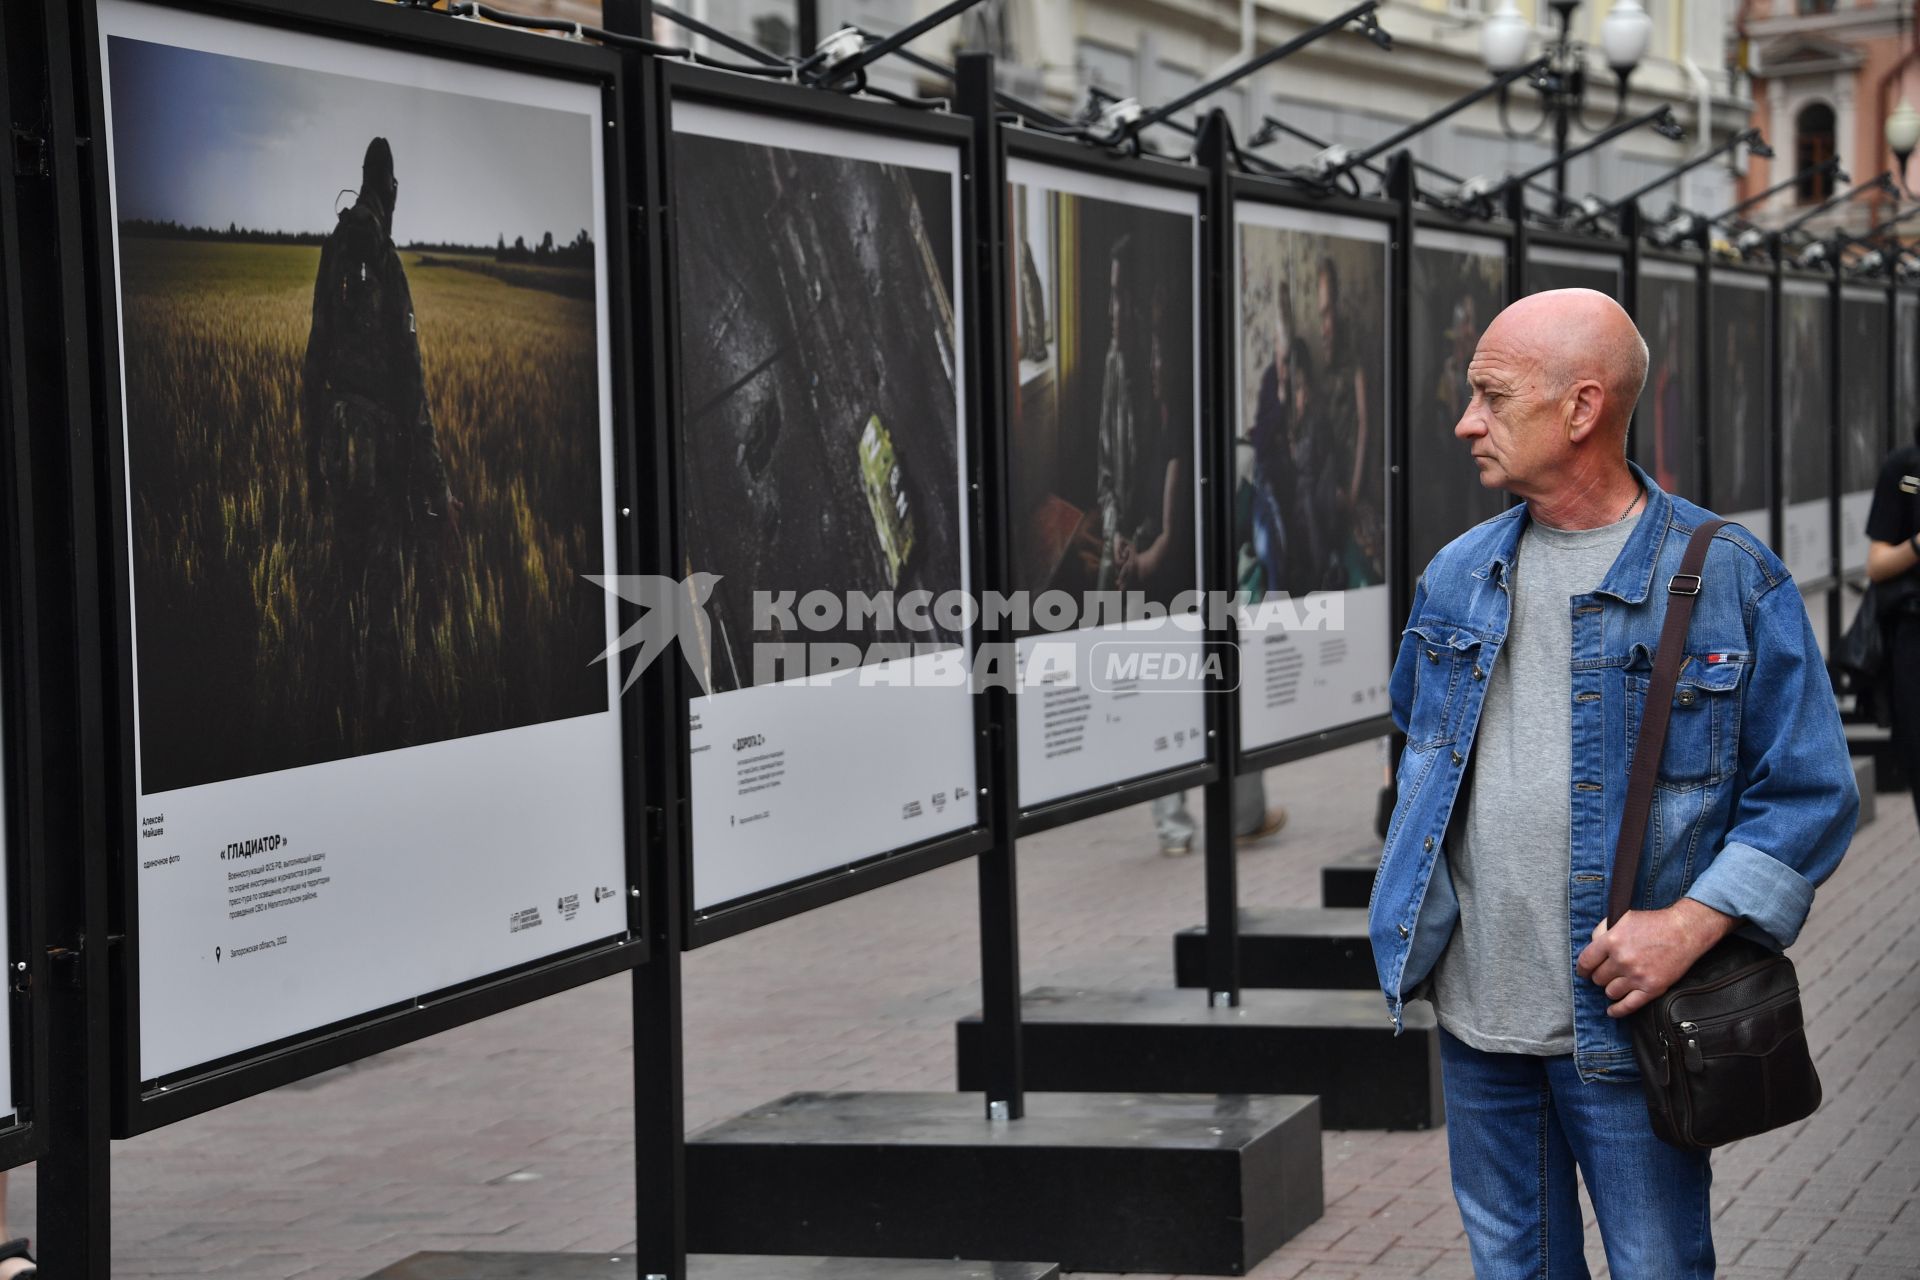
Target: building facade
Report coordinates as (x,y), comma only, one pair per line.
(1825,76)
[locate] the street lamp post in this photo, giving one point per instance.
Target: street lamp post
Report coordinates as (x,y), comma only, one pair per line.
(1624,37)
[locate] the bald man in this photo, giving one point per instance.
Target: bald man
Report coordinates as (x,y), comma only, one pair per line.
(1519,683)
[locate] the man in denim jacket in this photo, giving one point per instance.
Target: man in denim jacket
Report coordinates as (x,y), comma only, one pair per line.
(1519,684)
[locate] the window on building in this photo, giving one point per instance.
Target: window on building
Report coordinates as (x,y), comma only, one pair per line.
(1813,145)
(1817,6)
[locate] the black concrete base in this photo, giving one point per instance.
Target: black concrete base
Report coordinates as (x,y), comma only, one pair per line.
(604,1266)
(1102,1182)
(1337,1044)
(1866,770)
(1872,743)
(1311,948)
(1348,881)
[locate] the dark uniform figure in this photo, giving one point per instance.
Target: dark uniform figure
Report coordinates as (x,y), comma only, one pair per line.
(373,461)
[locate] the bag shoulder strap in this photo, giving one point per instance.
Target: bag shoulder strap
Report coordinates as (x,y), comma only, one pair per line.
(1683,589)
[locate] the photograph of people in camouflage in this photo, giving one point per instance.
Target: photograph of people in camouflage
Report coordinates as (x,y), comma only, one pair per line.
(819,393)
(365,414)
(1105,418)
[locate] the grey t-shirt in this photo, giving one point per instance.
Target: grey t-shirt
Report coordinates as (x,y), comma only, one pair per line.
(1505,982)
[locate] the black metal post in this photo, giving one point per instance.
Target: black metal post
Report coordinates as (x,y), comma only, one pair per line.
(1401,187)
(1836,341)
(75,1207)
(807,24)
(998,865)
(1214,152)
(1776,413)
(659,1118)
(1702,364)
(1562,126)
(1630,228)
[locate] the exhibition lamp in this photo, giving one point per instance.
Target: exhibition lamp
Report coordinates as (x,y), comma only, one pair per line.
(1830,168)
(1624,38)
(1123,119)
(1749,138)
(1333,164)
(1882,182)
(1661,120)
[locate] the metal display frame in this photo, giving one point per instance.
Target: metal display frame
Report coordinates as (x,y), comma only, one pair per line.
(1882,294)
(24,700)
(1640,446)
(1769,277)
(1018,143)
(1511,239)
(680,83)
(1610,249)
(1829,283)
(141,1105)
(1259,190)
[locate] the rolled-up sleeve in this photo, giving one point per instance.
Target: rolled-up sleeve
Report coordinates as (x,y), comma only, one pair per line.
(1797,803)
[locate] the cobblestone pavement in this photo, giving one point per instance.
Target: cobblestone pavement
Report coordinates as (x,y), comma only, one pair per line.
(515,1133)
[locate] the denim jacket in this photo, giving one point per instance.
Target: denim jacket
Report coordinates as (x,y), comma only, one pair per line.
(1755,802)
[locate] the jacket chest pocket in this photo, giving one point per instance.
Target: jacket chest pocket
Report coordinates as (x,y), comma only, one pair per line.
(1703,728)
(1450,674)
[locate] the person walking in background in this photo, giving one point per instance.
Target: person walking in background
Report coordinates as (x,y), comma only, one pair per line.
(1893,563)
(1518,684)
(1252,819)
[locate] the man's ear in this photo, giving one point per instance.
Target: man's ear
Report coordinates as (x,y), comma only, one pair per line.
(1584,404)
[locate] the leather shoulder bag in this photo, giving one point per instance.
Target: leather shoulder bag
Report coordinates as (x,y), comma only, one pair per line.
(1723,1051)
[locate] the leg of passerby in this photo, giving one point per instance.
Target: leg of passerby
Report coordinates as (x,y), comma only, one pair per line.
(14,1261)
(1513,1172)
(1252,819)
(1652,1200)
(1173,824)
(1903,665)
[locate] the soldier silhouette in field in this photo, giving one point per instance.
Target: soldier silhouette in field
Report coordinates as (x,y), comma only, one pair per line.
(376,479)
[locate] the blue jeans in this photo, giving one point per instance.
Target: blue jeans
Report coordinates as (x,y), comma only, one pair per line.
(1516,1128)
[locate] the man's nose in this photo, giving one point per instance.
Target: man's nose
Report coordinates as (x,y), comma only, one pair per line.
(1470,426)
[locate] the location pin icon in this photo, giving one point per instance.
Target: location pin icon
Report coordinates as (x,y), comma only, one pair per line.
(216,955)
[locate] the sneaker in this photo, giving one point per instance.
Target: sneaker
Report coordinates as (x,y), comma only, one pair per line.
(1179,849)
(1276,819)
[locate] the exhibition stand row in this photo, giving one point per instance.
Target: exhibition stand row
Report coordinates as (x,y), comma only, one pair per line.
(493,510)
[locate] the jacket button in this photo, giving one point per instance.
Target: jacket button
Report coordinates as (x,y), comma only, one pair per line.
(1429,845)
(1405,932)
(1433,655)
(1478,674)
(1458,759)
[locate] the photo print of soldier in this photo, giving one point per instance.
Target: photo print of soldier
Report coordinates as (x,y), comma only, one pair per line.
(818,412)
(1741,394)
(1551,269)
(1806,382)
(1667,426)
(1310,460)
(1104,430)
(1456,294)
(1863,392)
(363,412)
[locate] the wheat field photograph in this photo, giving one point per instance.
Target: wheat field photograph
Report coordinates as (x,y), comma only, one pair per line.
(364,425)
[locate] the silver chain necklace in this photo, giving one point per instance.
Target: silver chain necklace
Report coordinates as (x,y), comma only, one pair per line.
(1638,493)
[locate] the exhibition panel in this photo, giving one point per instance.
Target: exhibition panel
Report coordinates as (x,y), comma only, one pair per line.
(1552,265)
(1458,285)
(1740,381)
(365,464)
(1806,430)
(1667,428)
(1105,464)
(1865,407)
(1312,515)
(823,412)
